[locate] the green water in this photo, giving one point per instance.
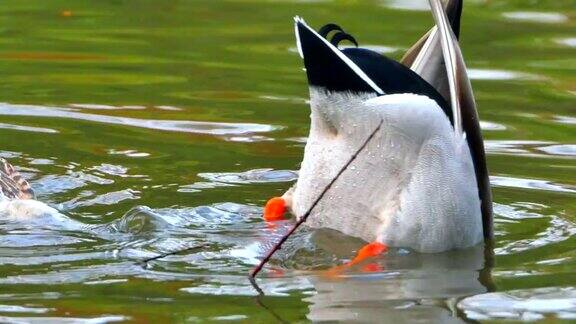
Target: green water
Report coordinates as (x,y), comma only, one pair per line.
(166,124)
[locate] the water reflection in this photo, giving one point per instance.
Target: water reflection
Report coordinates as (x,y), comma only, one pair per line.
(413,286)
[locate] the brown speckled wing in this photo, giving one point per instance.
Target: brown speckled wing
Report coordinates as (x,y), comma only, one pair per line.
(12,185)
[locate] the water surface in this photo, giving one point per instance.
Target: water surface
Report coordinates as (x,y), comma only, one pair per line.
(158,126)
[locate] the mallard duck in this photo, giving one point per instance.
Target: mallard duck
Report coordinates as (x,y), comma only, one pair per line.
(422,182)
(17,197)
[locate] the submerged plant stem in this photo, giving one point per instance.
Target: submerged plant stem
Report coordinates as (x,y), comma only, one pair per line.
(145,262)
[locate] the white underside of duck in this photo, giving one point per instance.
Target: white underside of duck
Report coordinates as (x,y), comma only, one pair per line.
(413,186)
(35,214)
(24,209)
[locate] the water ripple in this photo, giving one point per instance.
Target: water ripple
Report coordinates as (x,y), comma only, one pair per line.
(513,147)
(568,150)
(211,128)
(230,179)
(65,320)
(251,176)
(109,198)
(106,107)
(558,230)
(52,184)
(491,126)
(518,211)
(538,17)
(412,5)
(129,153)
(22,309)
(502,181)
(36,240)
(501,75)
(570,42)
(28,128)
(232,287)
(529,148)
(566,119)
(526,305)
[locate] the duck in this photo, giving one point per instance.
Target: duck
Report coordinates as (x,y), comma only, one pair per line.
(421,183)
(20,207)
(17,198)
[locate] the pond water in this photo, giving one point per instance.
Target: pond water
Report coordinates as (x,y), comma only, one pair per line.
(155,126)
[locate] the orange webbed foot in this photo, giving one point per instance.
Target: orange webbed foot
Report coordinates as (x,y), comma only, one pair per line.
(275,209)
(367,251)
